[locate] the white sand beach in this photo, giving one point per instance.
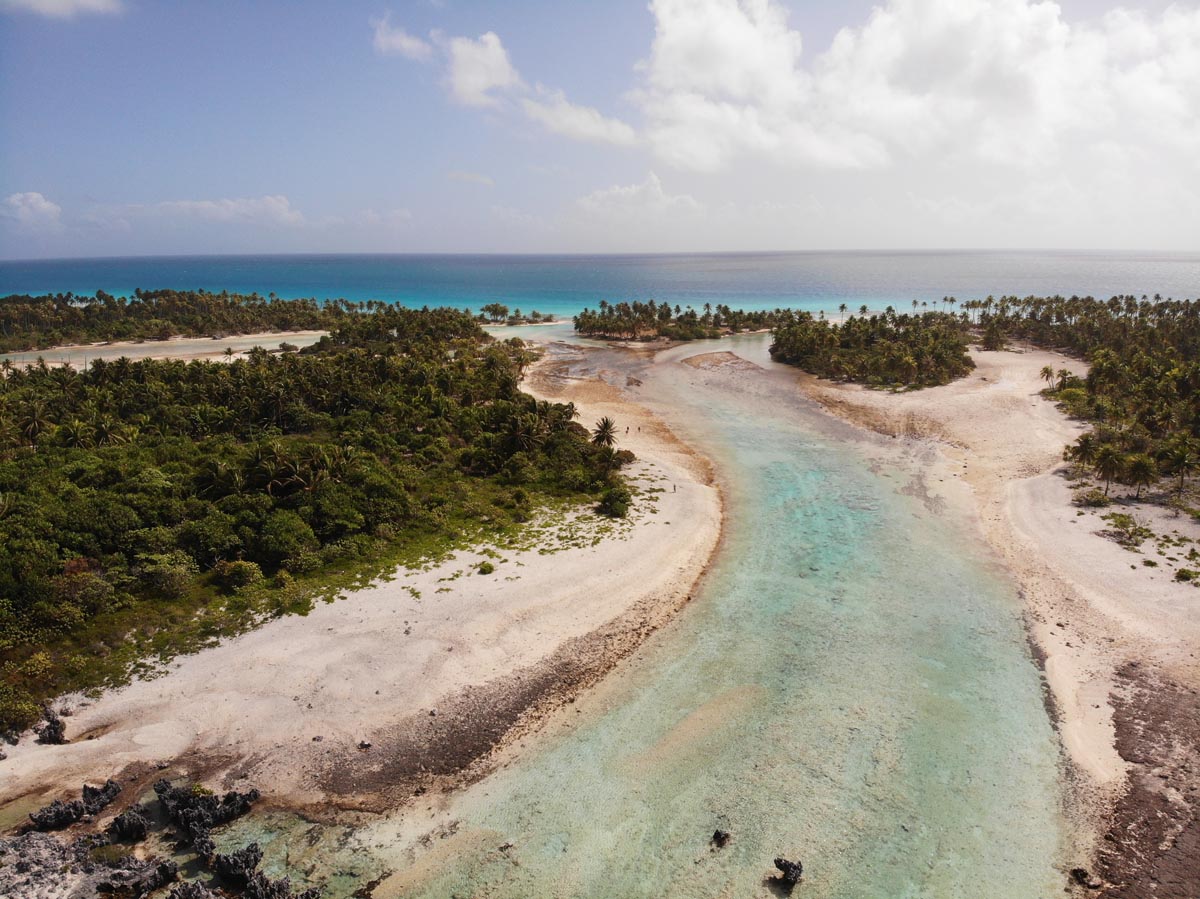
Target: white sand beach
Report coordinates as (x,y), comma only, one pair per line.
(284,706)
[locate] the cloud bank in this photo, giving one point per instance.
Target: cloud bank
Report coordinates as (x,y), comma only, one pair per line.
(61,9)
(1006,82)
(30,211)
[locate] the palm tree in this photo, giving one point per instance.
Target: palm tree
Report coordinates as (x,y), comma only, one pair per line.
(1140,471)
(1109,464)
(33,423)
(75,433)
(1047,374)
(605,432)
(1085,448)
(1182,460)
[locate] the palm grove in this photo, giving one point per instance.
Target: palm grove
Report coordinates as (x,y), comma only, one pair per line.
(141,499)
(1142,392)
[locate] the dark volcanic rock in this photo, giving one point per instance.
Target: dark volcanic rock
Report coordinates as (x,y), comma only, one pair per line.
(720,838)
(197,811)
(131,825)
(52,731)
(137,877)
(57,815)
(96,798)
(191,891)
(38,864)
(789,873)
(238,867)
(261,887)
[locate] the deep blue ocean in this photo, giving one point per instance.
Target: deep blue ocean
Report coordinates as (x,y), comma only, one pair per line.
(562,285)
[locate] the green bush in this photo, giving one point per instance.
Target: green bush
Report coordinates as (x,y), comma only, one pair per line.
(167,574)
(238,575)
(615,502)
(18,708)
(286,535)
(1093,498)
(1186,575)
(486,568)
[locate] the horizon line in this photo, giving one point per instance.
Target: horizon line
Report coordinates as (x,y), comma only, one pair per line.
(608,254)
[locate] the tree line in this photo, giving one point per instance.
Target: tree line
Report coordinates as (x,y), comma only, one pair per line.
(134,492)
(651,320)
(889,349)
(1142,390)
(39,322)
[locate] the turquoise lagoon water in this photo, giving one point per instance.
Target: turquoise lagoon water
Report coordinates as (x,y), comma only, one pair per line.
(562,285)
(851,687)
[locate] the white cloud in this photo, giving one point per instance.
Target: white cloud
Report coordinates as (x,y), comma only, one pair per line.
(479,67)
(391,41)
(391,218)
(519,218)
(470,178)
(996,81)
(645,199)
(31,212)
(557,114)
(271,210)
(61,9)
(274,209)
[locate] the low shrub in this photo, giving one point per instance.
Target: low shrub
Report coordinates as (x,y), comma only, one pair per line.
(615,502)
(1093,499)
(234,576)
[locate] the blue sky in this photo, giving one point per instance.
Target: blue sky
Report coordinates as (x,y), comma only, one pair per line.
(133,127)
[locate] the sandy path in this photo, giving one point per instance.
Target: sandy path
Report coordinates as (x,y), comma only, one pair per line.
(481,650)
(186,348)
(1091,609)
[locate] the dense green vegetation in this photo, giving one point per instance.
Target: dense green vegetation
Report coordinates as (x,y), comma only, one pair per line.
(651,320)
(39,322)
(884,350)
(134,493)
(499,314)
(1142,391)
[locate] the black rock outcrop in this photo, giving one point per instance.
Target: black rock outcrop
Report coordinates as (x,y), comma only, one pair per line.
(53,730)
(789,873)
(131,825)
(238,867)
(96,798)
(261,887)
(138,877)
(59,814)
(197,811)
(191,891)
